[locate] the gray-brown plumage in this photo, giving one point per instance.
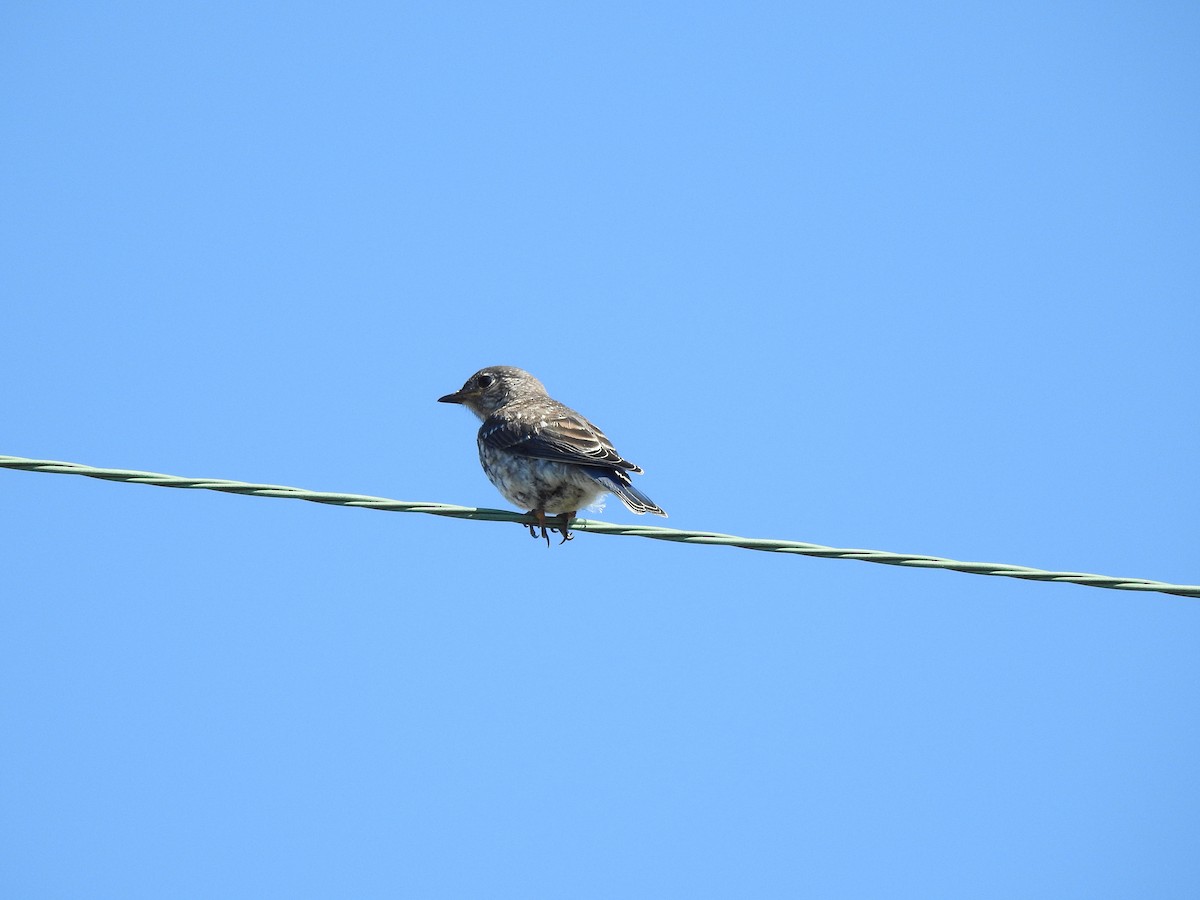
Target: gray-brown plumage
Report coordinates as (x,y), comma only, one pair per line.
(541,455)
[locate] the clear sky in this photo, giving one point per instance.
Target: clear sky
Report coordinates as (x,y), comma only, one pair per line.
(914,277)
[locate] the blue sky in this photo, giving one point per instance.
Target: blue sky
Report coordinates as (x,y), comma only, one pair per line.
(907,277)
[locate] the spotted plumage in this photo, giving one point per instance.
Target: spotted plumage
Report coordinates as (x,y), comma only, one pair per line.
(541,455)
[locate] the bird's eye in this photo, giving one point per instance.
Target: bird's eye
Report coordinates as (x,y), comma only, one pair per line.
(486,381)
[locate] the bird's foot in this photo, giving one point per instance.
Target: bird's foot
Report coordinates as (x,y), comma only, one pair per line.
(563,529)
(540,515)
(540,529)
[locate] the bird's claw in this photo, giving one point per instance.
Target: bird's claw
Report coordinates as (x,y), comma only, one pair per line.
(541,523)
(564,528)
(533,533)
(540,526)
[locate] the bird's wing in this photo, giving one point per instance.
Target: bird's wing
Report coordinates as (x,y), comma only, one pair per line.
(562,436)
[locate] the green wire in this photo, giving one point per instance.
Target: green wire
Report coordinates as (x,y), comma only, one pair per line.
(593,527)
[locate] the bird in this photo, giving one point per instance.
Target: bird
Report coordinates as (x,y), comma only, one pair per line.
(542,455)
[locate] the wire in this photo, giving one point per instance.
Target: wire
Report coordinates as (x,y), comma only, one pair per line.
(588,525)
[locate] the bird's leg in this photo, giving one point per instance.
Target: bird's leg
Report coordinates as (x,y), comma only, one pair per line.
(540,514)
(566,521)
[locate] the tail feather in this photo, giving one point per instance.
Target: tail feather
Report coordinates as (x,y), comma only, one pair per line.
(618,483)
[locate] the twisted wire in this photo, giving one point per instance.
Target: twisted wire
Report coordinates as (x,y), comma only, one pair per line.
(801,548)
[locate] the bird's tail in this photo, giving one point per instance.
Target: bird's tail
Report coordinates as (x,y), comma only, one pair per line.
(618,483)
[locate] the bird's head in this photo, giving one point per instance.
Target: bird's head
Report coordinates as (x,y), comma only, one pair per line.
(489,389)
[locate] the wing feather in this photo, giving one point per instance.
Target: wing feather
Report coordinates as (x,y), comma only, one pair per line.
(561,435)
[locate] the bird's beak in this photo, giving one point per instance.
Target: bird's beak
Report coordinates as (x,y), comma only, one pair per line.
(456,397)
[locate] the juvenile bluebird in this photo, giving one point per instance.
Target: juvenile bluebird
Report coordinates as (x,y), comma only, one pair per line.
(542,455)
